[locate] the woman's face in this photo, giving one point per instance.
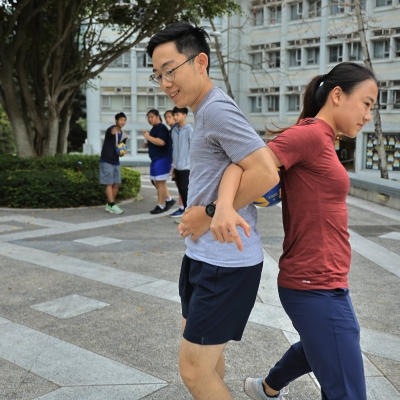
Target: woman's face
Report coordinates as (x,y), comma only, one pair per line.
(153,119)
(169,119)
(354,110)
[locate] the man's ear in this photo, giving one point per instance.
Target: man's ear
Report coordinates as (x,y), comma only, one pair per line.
(202,61)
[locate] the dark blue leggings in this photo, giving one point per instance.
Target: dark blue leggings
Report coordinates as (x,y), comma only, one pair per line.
(329,344)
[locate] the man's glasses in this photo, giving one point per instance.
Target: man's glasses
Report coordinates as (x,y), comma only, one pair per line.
(167,74)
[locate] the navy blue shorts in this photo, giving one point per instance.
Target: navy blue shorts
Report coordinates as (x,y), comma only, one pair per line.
(216,301)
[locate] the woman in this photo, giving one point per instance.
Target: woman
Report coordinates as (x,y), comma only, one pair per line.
(312,280)
(159,145)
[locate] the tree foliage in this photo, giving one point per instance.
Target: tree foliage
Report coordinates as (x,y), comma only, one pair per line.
(50,48)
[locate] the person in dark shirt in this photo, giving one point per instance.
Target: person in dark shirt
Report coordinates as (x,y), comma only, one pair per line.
(110,174)
(158,142)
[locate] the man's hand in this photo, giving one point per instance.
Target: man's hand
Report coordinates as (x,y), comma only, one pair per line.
(114,130)
(172,172)
(195,223)
(224,223)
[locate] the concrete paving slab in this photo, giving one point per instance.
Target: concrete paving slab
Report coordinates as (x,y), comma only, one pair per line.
(69,306)
(7,228)
(126,392)
(97,241)
(391,235)
(63,363)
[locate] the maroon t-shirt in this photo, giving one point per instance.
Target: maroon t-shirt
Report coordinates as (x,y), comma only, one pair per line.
(316,249)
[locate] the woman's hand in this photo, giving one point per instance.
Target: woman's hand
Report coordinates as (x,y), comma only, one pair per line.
(195,223)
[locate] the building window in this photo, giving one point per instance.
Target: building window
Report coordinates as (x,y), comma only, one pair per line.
(274,59)
(383,99)
(293,102)
(255,104)
(123,61)
(143,60)
(139,142)
(355,51)
(272,103)
(105,102)
(381,48)
(115,103)
(383,3)
(362,4)
(335,54)
(296,11)
(275,14)
(146,103)
(336,7)
(397,47)
(214,59)
(314,8)
(256,60)
(396,99)
(313,56)
(295,58)
(258,17)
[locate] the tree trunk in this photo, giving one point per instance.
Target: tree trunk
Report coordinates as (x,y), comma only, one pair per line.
(66,113)
(376,113)
(221,62)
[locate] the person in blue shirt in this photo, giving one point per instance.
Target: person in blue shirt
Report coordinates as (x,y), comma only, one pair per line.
(158,142)
(110,173)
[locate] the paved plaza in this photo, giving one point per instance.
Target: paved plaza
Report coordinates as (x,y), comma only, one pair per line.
(89,305)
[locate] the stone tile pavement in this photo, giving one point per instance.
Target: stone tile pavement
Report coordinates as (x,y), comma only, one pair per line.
(89,306)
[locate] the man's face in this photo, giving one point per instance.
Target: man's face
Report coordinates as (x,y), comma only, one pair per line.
(179,117)
(187,84)
(120,122)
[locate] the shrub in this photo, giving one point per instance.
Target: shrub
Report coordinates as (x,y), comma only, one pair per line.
(58,182)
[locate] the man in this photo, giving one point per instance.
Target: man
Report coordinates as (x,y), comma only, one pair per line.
(181,135)
(218,283)
(110,173)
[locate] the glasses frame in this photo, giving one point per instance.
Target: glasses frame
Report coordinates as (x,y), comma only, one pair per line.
(156,79)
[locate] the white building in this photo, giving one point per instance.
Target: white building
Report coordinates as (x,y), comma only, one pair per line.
(272,52)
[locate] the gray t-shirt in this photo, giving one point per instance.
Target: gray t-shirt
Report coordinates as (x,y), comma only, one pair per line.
(222,135)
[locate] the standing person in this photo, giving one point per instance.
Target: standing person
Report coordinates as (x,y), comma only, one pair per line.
(110,172)
(170,121)
(181,135)
(218,283)
(313,269)
(160,152)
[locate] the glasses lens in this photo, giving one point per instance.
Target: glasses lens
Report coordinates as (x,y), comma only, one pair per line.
(154,80)
(168,75)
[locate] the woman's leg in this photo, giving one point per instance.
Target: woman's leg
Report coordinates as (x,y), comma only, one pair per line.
(329,343)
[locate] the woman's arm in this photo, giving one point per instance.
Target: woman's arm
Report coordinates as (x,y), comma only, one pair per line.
(156,141)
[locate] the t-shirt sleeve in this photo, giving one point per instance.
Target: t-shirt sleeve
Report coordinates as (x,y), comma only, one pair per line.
(297,145)
(228,130)
(162,133)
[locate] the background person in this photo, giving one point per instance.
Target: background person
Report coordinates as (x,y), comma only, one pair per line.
(181,134)
(110,173)
(160,153)
(170,121)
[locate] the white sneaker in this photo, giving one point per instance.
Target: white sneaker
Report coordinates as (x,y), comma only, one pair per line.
(253,387)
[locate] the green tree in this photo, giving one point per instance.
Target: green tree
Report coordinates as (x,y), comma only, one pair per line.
(50,48)
(7,142)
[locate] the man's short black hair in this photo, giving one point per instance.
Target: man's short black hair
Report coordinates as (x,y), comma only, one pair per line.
(183,110)
(189,40)
(120,115)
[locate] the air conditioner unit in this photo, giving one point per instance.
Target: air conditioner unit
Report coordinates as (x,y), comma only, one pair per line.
(353,35)
(267,45)
(266,90)
(151,90)
(386,32)
(297,88)
(118,90)
(298,42)
(383,83)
